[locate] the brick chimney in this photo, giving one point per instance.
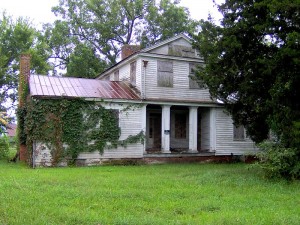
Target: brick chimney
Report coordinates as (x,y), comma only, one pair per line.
(23,82)
(128,50)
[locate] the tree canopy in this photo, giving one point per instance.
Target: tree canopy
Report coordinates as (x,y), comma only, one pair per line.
(16,37)
(86,38)
(252,65)
(99,28)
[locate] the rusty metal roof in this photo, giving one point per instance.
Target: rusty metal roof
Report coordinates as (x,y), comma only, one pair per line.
(50,86)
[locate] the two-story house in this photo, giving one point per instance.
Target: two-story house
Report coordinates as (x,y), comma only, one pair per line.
(156,85)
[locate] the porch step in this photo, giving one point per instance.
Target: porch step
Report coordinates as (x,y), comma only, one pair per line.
(185,158)
(180,155)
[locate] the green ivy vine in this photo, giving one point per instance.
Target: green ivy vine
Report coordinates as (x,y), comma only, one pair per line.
(71,126)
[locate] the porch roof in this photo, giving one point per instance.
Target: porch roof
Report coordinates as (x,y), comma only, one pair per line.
(54,87)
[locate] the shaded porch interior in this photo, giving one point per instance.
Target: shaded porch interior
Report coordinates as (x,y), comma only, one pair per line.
(176,127)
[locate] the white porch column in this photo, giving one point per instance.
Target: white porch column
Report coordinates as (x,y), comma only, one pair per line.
(165,129)
(212,125)
(193,128)
(144,122)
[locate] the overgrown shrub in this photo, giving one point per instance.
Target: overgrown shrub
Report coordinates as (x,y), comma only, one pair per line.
(278,161)
(4,147)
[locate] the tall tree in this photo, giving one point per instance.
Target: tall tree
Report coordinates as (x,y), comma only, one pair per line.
(16,37)
(103,26)
(253,63)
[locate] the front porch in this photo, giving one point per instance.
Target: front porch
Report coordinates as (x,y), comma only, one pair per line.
(173,129)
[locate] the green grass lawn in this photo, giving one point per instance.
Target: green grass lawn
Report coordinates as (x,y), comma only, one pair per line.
(148,194)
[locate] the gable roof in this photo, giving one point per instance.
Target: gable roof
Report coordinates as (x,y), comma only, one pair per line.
(169,40)
(55,87)
(145,51)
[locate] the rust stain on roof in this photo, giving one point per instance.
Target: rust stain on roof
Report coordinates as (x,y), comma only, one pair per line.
(49,86)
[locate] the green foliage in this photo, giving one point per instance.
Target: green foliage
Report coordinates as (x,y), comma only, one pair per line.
(103,26)
(278,161)
(4,147)
(16,37)
(83,62)
(71,126)
(252,65)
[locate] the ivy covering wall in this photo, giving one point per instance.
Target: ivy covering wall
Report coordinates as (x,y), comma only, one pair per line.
(70,126)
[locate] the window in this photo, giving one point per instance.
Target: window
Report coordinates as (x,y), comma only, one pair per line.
(165,73)
(194,83)
(180,50)
(115,113)
(116,75)
(180,126)
(238,132)
(133,73)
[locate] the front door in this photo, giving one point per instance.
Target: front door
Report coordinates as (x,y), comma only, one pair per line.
(154,132)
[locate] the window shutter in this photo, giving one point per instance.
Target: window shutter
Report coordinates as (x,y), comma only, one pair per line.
(164,73)
(238,132)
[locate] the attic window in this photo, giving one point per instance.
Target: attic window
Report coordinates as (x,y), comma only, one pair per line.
(181,50)
(164,73)
(238,133)
(133,73)
(116,75)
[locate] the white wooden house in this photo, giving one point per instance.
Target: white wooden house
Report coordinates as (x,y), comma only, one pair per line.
(176,114)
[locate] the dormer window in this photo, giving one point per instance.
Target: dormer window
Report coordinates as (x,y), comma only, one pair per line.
(133,73)
(164,73)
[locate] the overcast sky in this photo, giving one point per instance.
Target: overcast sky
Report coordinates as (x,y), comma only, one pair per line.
(39,11)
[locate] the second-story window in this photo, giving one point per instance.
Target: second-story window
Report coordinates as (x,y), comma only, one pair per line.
(116,75)
(194,82)
(133,73)
(165,73)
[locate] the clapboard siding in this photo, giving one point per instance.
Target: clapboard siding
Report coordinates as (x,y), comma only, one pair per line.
(225,145)
(124,73)
(130,124)
(180,89)
(165,48)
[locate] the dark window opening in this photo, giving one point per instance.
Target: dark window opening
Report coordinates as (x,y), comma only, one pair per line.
(238,132)
(180,126)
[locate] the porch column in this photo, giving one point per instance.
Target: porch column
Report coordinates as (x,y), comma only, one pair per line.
(193,128)
(165,129)
(144,122)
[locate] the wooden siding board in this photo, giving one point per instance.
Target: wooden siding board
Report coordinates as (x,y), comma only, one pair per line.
(130,123)
(180,88)
(224,133)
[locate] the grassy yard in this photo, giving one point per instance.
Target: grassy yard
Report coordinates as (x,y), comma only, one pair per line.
(149,194)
